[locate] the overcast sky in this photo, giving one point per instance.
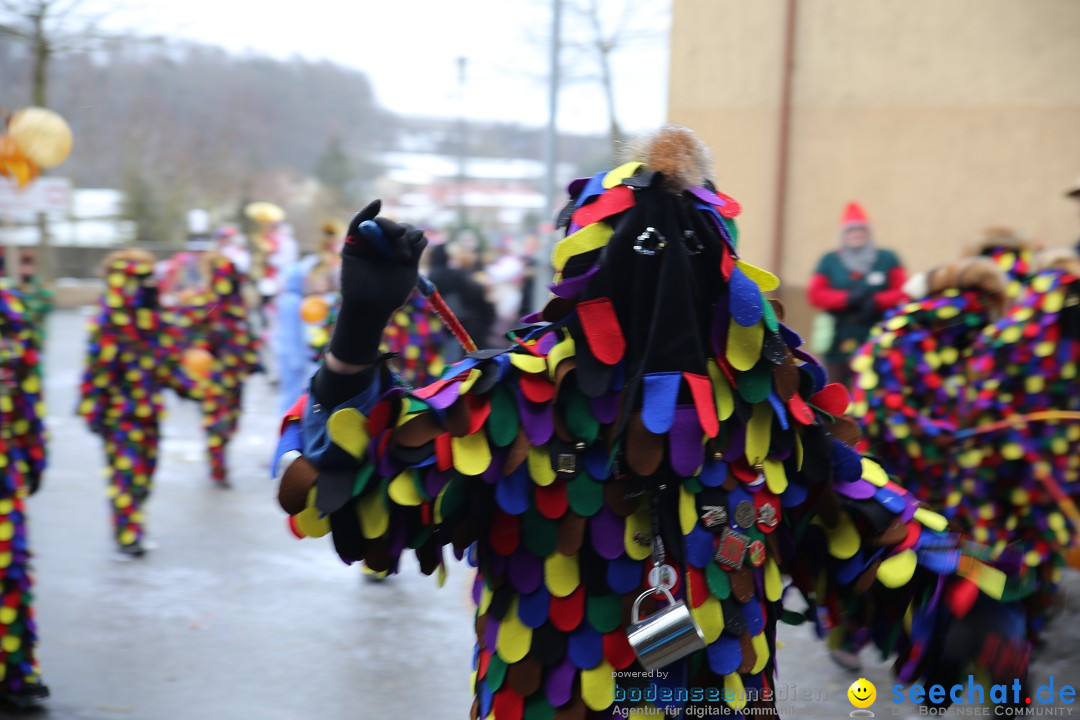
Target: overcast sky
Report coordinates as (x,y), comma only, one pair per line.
(409,48)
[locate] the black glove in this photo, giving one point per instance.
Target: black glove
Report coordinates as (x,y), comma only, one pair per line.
(868,313)
(373,285)
(857,299)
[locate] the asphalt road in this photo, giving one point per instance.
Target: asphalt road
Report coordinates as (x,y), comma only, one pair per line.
(230,617)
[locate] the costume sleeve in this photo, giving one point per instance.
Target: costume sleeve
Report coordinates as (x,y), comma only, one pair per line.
(821,294)
(99,375)
(21,409)
(893,294)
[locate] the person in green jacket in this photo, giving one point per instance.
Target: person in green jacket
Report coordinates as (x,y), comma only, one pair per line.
(855,285)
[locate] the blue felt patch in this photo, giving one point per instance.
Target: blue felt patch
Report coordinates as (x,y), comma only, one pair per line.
(658,406)
(699,547)
(594,187)
(847,464)
(891,501)
(725,655)
(792,338)
(713,473)
(745,299)
(794,495)
(512,492)
(755,618)
(534,607)
(624,574)
(586,647)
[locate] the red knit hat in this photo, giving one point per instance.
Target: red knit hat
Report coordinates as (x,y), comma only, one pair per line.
(854,216)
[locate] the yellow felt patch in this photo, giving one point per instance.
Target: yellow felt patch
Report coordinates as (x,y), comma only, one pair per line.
(744,344)
(514,638)
(775,475)
(710,618)
(764,279)
(898,569)
(931,519)
(725,402)
(472,455)
(348,430)
(540,466)
(761,648)
(758,433)
(616,176)
(528,363)
(589,238)
(598,686)
(562,350)
(310,521)
(561,574)
(403,490)
(688,516)
(874,473)
(843,539)
(374,519)
(774,586)
(733,687)
(638,522)
(990,580)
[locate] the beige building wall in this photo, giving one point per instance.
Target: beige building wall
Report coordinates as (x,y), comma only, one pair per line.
(941,117)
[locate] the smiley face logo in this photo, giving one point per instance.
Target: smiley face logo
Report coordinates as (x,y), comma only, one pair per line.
(862,693)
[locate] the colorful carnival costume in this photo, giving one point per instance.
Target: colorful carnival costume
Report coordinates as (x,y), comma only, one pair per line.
(664,431)
(22,461)
(1020,463)
(418,338)
(134,353)
(911,376)
(214,318)
(1014,255)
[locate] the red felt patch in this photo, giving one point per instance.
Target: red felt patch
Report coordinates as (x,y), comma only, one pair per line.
(961,595)
(508,704)
(444,454)
(800,410)
(701,390)
(602,330)
(293,529)
(696,587)
(741,470)
(295,412)
(617,650)
(612,202)
(769,518)
(914,530)
(731,207)
(551,499)
(727,263)
(378,418)
(429,391)
(479,410)
(536,388)
(505,532)
(482,664)
(567,612)
(833,399)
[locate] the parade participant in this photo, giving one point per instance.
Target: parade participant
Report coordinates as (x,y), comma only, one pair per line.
(451,272)
(22,461)
(909,381)
(36,298)
(1019,452)
(214,318)
(664,435)
(301,334)
(855,285)
(1012,253)
(134,354)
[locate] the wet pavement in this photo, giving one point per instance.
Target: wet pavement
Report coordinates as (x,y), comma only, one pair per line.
(230,617)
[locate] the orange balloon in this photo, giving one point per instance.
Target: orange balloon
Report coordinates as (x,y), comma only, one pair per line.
(197,362)
(314,309)
(14,164)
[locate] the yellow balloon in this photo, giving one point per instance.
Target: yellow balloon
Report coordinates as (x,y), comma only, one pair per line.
(42,135)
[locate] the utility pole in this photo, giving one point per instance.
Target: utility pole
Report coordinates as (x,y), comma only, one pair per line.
(462,146)
(551,156)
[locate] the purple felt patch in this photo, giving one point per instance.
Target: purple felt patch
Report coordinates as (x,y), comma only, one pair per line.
(560,682)
(572,287)
(605,407)
(736,446)
(537,420)
(606,533)
(686,441)
(491,632)
(706,195)
(445,397)
(858,490)
(525,571)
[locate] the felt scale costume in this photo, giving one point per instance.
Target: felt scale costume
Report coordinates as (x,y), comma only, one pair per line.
(214,317)
(22,461)
(1019,461)
(1014,255)
(664,430)
(134,354)
(911,375)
